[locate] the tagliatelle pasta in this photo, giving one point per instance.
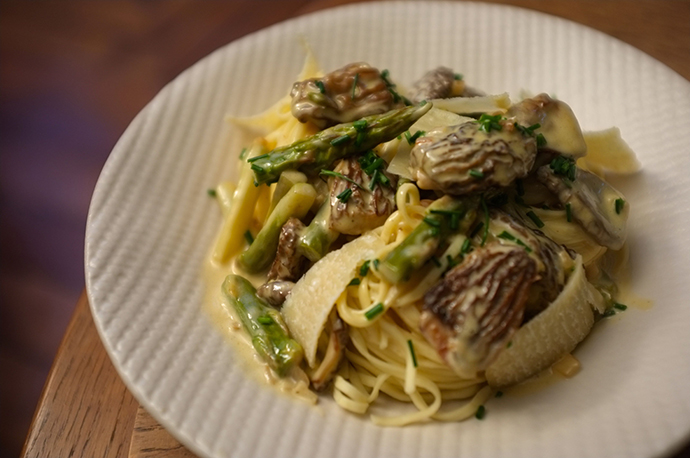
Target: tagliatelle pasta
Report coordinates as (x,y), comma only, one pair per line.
(413,291)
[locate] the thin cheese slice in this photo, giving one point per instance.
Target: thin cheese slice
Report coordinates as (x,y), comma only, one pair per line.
(606,150)
(550,335)
(307,307)
(491,104)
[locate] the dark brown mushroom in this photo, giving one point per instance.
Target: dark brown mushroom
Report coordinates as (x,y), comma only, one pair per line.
(344,95)
(363,207)
(472,313)
(288,264)
(465,159)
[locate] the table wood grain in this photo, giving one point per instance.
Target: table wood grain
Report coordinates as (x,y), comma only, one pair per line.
(85,410)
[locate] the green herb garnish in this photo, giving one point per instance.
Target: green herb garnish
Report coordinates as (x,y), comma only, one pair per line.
(476,173)
(481,412)
(331,173)
(249,237)
(620,306)
(499,394)
(265,319)
(620,203)
(354,282)
(243,154)
(364,270)
(541,140)
(564,166)
(319,84)
(568,213)
(340,140)
(211,192)
(535,219)
(345,195)
(608,313)
(374,311)
(489,123)
(414,357)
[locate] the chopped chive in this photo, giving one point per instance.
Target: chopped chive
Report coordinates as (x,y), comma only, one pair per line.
(489,123)
(476,173)
(541,140)
(458,76)
(481,412)
(383,179)
(510,344)
(620,203)
(243,154)
(211,192)
(452,262)
(414,357)
(373,166)
(360,125)
(620,306)
(249,237)
(345,195)
(257,168)
(331,173)
(454,221)
(354,86)
(499,394)
(564,166)
(431,221)
(535,219)
(608,313)
(413,138)
(476,229)
(340,140)
(520,186)
(375,262)
(354,282)
(265,319)
(506,235)
(256,158)
(374,311)
(360,138)
(319,84)
(523,245)
(568,213)
(436,262)
(374,180)
(466,245)
(364,270)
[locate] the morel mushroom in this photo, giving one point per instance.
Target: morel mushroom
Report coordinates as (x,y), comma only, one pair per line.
(596,205)
(472,313)
(275,292)
(557,123)
(344,95)
(435,84)
(357,205)
(468,158)
(288,264)
(552,258)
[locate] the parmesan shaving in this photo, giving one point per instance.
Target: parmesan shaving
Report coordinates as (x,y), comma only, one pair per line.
(308,306)
(491,104)
(608,152)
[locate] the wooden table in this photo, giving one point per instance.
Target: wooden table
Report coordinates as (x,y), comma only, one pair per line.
(85,409)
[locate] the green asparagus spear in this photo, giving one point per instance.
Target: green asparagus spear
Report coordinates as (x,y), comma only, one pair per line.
(295,203)
(318,237)
(322,149)
(444,217)
(264,324)
(287,180)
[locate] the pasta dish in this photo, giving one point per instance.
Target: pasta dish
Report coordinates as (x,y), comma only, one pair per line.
(411,252)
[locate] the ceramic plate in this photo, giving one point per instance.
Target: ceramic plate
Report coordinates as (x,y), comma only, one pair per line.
(151,224)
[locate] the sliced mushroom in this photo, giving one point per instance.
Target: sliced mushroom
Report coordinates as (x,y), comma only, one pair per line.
(558,123)
(465,159)
(363,207)
(435,84)
(344,95)
(288,264)
(337,341)
(552,259)
(596,205)
(471,314)
(275,292)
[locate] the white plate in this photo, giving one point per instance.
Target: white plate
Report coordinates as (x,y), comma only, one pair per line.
(151,224)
